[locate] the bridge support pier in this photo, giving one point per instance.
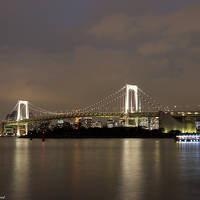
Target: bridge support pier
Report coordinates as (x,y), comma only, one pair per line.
(131,122)
(22,129)
(8,130)
(18,130)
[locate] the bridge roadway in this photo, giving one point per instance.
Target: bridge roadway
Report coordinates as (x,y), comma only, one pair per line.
(182,114)
(79,115)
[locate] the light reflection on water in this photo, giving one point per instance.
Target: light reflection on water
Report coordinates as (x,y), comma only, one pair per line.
(131,171)
(21,177)
(119,169)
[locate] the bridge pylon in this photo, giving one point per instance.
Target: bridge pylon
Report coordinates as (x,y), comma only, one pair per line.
(21,105)
(129,99)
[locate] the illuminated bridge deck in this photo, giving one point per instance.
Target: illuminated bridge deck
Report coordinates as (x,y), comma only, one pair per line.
(192,114)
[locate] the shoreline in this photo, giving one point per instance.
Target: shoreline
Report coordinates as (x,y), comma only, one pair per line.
(119,132)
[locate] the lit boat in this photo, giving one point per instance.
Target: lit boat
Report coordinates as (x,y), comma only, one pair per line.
(189,138)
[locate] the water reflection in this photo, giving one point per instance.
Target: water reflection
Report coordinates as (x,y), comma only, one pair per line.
(99,169)
(189,160)
(21,170)
(43,164)
(95,167)
(76,166)
(131,169)
(156,158)
(142,169)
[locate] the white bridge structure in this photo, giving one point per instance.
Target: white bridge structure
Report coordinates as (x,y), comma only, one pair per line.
(130,96)
(20,106)
(128,101)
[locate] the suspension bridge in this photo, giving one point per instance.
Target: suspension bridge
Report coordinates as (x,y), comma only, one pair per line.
(129,102)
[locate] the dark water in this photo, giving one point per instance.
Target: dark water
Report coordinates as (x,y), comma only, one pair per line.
(98,169)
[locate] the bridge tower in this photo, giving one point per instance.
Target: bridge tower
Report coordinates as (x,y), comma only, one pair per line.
(131,95)
(20,106)
(129,101)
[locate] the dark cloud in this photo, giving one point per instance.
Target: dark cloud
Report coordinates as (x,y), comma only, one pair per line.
(67,54)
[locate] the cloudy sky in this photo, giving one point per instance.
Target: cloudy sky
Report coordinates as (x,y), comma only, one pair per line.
(66,53)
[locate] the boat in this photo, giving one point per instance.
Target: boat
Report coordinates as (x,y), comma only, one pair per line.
(188,138)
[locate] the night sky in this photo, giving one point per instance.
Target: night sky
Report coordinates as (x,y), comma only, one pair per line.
(63,54)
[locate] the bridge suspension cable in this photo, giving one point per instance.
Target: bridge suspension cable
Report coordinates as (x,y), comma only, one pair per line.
(102,105)
(150,104)
(41,110)
(126,100)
